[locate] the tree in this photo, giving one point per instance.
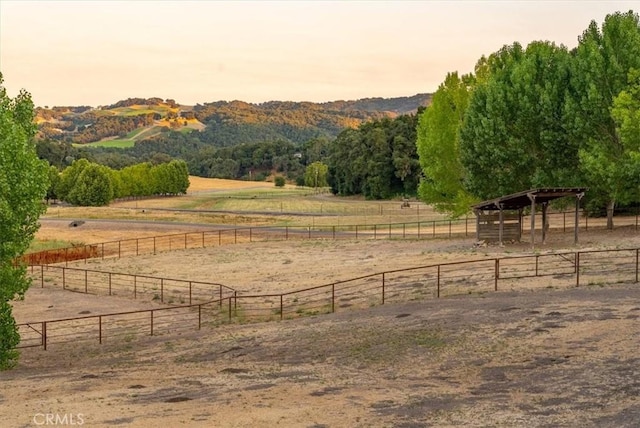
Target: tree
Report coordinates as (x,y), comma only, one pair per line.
(315,175)
(438,147)
(279,181)
(93,187)
(23,186)
(602,64)
(54,180)
(513,135)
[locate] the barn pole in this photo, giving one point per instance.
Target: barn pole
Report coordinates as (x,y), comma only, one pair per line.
(532,197)
(544,221)
(477,212)
(575,227)
(501,224)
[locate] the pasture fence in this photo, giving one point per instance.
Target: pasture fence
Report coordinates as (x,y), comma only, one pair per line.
(191,240)
(567,269)
(164,290)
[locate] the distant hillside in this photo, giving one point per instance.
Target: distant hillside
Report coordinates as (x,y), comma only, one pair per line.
(220,123)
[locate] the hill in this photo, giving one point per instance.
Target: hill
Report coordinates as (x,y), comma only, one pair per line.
(221,123)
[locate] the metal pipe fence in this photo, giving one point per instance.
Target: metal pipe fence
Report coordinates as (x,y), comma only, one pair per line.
(411,230)
(164,290)
(583,268)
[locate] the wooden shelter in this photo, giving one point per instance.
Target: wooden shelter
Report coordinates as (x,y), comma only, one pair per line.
(500,219)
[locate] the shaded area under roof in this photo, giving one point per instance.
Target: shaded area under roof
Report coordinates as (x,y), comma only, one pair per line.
(520,200)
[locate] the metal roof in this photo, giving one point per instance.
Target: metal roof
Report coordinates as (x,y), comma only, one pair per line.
(520,200)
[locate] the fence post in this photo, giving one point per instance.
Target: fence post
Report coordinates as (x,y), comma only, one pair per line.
(109,283)
(449,228)
(356,231)
(438,283)
(434,228)
(138,245)
(220,295)
(466,226)
(151,312)
(235,236)
(497,274)
(199,316)
(235,300)
(119,246)
(637,251)
(64,282)
(250,235)
(375,231)
(103,251)
(404,225)
(286,233)
(577,269)
(229,308)
(281,307)
(309,232)
(203,240)
(135,287)
(383,288)
(100,329)
(44,335)
(42,275)
(418,230)
(219,237)
(333,297)
(334,232)
(190,285)
(154,245)
(185,241)
(162,290)
(85,282)
(66,256)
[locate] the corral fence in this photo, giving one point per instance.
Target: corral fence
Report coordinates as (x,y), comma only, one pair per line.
(557,270)
(164,290)
(466,227)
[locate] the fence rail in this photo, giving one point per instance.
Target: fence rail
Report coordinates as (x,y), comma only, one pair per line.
(417,230)
(418,283)
(165,290)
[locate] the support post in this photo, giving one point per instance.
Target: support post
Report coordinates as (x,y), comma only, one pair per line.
(544,221)
(501,224)
(575,227)
(532,198)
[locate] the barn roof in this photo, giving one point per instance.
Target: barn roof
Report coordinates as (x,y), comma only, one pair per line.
(520,200)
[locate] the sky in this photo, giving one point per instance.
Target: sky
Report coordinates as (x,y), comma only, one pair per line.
(71,53)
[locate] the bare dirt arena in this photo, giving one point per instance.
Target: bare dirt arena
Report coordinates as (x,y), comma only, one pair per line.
(545,358)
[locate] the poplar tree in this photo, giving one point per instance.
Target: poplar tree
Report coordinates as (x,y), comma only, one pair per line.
(23,187)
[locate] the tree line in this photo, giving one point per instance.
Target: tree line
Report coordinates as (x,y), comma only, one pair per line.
(86,183)
(539,116)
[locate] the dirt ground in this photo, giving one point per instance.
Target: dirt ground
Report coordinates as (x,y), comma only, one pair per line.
(553,357)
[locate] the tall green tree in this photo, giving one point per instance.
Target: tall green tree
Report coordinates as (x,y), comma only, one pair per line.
(93,187)
(513,135)
(601,66)
(438,146)
(315,175)
(23,186)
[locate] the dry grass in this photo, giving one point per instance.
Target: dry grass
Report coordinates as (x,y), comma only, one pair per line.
(529,358)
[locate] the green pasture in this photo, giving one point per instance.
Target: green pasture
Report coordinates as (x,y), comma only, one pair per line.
(128,141)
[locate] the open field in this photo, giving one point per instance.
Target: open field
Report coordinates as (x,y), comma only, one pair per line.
(532,356)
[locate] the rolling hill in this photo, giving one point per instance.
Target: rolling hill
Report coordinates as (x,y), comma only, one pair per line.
(221,123)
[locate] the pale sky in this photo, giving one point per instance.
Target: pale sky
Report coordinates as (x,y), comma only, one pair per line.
(98,52)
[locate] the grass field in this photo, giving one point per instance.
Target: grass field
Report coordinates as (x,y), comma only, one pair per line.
(519,357)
